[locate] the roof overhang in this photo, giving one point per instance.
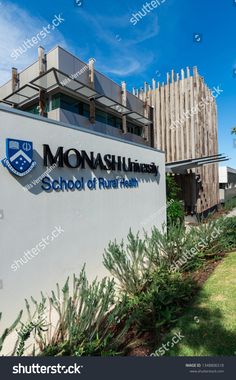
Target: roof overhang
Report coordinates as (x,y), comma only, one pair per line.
(22,95)
(181,167)
(123,110)
(55,78)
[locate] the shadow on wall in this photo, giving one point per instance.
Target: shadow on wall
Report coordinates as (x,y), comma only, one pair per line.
(191,187)
(71,118)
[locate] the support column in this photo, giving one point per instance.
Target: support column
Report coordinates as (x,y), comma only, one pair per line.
(14,81)
(42,70)
(147,131)
(92,107)
(91,72)
(124,103)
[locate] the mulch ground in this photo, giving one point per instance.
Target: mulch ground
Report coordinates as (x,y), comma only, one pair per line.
(201,275)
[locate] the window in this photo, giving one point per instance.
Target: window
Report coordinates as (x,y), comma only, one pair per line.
(222,185)
(135,129)
(79,107)
(35,109)
(101,116)
(55,101)
(70,104)
(106,118)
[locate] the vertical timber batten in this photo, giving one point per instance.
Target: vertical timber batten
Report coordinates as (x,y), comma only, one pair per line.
(185,127)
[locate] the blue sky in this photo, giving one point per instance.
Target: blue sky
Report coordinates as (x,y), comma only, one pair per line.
(161,41)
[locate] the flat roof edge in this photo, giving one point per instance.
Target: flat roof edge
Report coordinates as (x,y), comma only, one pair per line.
(71,126)
(231,170)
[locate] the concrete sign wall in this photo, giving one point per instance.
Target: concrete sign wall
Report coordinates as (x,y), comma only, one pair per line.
(55,218)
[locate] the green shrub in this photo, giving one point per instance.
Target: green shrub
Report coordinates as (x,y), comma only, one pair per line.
(128,263)
(175,210)
(230,204)
(162,302)
(170,244)
(228,237)
(202,242)
(88,319)
(208,238)
(132,265)
(92,320)
(189,249)
(35,326)
(9,330)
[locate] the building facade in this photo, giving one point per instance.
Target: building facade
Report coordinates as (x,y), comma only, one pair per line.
(62,87)
(178,117)
(185,127)
(66,192)
(227,179)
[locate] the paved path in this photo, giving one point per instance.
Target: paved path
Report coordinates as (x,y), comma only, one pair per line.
(232,213)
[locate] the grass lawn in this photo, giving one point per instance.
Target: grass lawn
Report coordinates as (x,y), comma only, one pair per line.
(209,324)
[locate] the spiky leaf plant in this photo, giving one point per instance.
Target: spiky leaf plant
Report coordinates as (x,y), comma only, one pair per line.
(128,263)
(9,330)
(88,319)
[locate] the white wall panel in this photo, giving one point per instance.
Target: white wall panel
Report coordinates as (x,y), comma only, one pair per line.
(89,218)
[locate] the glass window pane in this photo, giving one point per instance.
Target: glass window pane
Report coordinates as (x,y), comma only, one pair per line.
(68,82)
(120,108)
(111,120)
(86,92)
(33,109)
(16,98)
(101,116)
(55,101)
(28,91)
(107,102)
(134,115)
(46,81)
(144,121)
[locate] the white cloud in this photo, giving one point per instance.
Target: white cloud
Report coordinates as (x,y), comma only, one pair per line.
(16,26)
(123,55)
(120,56)
(151,30)
(126,66)
(104,26)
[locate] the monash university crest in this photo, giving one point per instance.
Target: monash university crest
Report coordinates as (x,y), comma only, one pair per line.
(19,157)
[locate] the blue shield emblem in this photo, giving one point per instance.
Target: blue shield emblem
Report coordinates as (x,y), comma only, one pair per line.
(19,157)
